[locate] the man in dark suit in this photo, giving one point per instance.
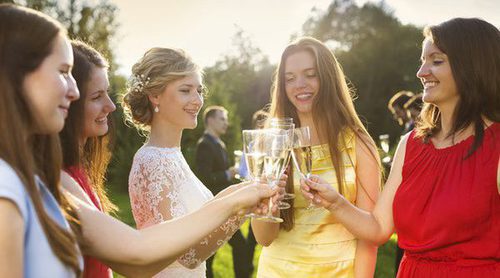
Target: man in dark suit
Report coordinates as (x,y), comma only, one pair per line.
(214,170)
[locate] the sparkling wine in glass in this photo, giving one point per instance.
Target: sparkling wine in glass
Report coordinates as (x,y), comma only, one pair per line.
(287,125)
(253,141)
(302,153)
(275,146)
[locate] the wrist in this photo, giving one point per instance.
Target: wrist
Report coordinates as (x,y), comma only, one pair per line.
(334,206)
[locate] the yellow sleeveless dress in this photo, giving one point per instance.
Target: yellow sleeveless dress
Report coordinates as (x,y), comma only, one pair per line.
(317,246)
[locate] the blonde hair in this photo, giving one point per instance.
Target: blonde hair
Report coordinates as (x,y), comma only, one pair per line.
(150,76)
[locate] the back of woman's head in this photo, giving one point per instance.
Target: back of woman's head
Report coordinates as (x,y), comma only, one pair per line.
(473,49)
(93,157)
(150,76)
(26,39)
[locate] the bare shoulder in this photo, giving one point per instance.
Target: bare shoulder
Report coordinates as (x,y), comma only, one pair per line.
(365,148)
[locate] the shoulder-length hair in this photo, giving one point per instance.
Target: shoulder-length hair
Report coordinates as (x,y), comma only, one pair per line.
(473,49)
(333,109)
(94,155)
(26,39)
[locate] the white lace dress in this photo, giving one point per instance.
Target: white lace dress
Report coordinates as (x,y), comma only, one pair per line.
(163,187)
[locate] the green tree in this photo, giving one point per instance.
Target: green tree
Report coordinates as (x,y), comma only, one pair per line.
(240,81)
(378,53)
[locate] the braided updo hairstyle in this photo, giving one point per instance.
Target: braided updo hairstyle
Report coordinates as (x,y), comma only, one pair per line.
(150,76)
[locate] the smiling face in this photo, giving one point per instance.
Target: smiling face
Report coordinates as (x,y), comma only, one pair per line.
(51,88)
(97,104)
(180,102)
(301,81)
(435,74)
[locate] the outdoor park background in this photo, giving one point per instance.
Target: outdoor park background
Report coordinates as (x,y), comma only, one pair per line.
(379,54)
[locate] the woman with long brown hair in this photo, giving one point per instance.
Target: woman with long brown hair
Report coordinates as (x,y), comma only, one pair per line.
(442,196)
(36,89)
(311,88)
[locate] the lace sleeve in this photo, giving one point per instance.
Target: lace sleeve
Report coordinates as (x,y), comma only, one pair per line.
(153,195)
(156,185)
(209,245)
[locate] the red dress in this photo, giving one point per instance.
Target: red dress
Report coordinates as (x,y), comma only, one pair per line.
(93,267)
(447,209)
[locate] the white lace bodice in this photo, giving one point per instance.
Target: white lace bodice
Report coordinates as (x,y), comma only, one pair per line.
(163,187)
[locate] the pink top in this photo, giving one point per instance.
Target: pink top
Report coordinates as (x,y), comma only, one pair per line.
(93,267)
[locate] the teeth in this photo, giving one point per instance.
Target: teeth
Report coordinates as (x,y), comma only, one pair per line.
(304,96)
(429,84)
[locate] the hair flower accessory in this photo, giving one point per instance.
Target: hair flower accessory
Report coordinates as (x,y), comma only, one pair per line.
(138,82)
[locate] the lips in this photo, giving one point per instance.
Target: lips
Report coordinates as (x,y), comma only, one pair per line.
(64,109)
(304,96)
(430,84)
(193,112)
(102,120)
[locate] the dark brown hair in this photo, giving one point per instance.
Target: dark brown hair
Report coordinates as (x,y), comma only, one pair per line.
(26,39)
(473,49)
(94,155)
(210,112)
(333,108)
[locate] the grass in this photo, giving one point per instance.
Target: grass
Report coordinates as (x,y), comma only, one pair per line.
(223,262)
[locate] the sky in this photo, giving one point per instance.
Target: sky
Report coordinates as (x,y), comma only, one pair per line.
(204,28)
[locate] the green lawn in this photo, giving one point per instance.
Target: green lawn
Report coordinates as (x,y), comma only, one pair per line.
(223,263)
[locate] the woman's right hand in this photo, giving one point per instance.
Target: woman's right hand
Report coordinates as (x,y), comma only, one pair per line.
(319,192)
(249,197)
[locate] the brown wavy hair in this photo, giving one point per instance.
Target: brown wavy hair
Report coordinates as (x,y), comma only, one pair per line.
(333,108)
(93,157)
(26,39)
(473,49)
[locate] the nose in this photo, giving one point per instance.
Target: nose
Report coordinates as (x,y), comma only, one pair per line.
(110,105)
(73,92)
(198,100)
(423,71)
(301,82)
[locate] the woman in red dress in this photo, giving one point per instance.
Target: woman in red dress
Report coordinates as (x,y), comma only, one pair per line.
(442,196)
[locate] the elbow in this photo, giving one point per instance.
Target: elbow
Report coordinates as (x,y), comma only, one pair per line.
(379,239)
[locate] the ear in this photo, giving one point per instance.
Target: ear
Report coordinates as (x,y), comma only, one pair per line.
(154,99)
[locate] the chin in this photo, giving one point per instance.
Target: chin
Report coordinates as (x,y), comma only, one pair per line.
(192,125)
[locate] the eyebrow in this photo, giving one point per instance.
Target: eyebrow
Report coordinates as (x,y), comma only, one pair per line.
(302,70)
(432,54)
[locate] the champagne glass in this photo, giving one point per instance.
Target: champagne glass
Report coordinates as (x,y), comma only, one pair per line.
(302,153)
(287,125)
(252,148)
(276,148)
(384,145)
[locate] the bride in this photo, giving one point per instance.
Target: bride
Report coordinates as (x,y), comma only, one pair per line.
(164,98)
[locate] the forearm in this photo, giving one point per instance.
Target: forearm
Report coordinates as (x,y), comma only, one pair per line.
(138,271)
(362,224)
(194,256)
(365,260)
(110,240)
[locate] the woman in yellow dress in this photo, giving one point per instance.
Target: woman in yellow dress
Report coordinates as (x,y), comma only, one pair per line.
(310,87)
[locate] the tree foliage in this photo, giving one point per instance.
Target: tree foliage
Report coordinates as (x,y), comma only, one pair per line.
(378,53)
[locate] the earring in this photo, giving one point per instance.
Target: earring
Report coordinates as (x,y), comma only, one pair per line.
(157,109)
